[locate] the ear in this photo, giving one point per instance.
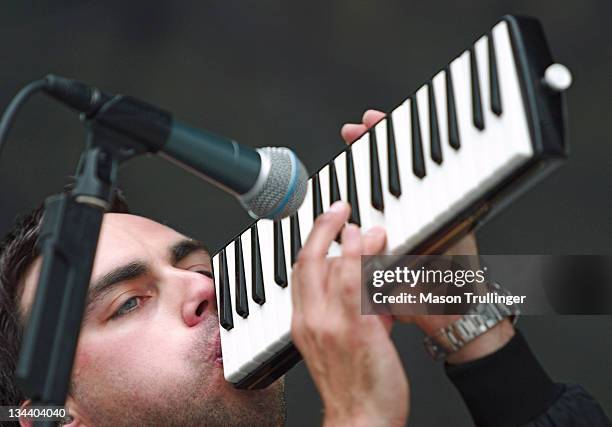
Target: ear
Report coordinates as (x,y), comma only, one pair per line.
(77,416)
(22,421)
(75,420)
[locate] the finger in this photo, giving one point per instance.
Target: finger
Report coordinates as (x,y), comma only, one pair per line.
(347,290)
(296,297)
(326,228)
(311,270)
(351,241)
(371,117)
(309,286)
(348,275)
(374,241)
(351,131)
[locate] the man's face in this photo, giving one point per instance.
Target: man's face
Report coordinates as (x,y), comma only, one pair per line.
(149,350)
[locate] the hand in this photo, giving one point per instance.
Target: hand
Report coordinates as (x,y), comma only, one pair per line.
(487,343)
(351,131)
(350,356)
(483,345)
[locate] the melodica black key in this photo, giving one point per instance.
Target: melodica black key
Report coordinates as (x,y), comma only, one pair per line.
(258,291)
(434,132)
(418,161)
(352,188)
(496,103)
(317,200)
(334,189)
(242,304)
(476,101)
(225,299)
(296,239)
(451,111)
(375,180)
(524,143)
(395,186)
(280,267)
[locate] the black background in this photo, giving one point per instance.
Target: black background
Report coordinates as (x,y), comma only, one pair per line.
(290,73)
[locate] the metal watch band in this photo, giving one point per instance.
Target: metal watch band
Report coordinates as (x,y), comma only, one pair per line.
(478,320)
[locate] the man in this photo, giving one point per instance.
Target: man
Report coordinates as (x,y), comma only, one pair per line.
(149,353)
(149,350)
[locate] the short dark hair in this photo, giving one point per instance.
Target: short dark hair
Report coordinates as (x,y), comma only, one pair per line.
(17,253)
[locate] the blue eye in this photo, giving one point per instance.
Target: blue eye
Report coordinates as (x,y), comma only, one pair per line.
(127,306)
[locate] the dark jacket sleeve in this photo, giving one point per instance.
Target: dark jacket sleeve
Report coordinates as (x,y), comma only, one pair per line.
(509,388)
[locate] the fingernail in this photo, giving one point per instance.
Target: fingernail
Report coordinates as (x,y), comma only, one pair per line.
(337,207)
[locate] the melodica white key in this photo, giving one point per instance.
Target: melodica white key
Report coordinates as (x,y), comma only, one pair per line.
(485,127)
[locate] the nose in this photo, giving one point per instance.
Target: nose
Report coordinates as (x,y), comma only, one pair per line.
(199,298)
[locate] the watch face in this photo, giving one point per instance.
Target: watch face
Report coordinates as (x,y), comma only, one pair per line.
(579,284)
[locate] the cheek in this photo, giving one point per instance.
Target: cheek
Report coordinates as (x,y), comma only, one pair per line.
(147,365)
(134,353)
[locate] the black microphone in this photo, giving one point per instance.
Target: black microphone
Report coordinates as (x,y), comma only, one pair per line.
(269,182)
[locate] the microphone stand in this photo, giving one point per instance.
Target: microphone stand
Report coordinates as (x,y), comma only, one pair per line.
(68,239)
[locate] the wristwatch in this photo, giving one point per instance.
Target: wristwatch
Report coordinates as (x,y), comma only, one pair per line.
(478,320)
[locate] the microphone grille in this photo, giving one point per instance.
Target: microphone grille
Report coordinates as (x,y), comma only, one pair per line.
(283,187)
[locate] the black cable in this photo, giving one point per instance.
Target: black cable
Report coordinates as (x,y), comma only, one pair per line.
(14,105)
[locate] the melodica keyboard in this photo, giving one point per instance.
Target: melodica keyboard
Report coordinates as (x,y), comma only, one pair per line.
(482,130)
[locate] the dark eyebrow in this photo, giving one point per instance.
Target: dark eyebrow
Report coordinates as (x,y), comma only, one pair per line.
(182,249)
(135,269)
(111,280)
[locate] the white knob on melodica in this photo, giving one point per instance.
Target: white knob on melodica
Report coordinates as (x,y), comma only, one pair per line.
(557,77)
